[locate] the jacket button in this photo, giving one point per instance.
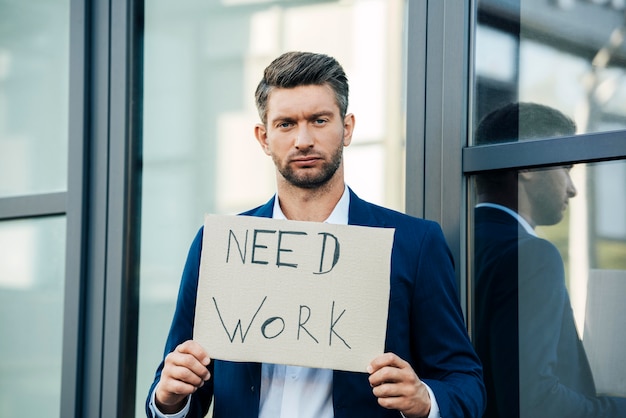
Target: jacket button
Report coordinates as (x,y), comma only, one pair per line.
(252,388)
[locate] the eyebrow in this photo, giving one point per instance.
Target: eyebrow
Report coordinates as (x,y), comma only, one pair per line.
(316,115)
(281,119)
(323,113)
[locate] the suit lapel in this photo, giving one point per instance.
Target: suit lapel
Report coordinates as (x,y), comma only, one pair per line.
(360,213)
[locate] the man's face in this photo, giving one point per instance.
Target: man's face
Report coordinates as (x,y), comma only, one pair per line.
(549,194)
(305,135)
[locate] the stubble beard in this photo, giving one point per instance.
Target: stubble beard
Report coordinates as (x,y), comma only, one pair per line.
(550,214)
(310,178)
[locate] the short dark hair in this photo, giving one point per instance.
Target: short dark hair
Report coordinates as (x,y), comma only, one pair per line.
(293,69)
(520,121)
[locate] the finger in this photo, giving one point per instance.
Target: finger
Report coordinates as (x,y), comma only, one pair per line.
(386,375)
(387,367)
(196,350)
(387,390)
(195,374)
(386,360)
(193,356)
(394,396)
(183,364)
(177,384)
(186,368)
(410,399)
(394,370)
(170,394)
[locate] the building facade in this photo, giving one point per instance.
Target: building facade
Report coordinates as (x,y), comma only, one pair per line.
(123,122)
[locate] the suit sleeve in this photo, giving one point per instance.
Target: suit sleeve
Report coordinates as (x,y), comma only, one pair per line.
(446,360)
(181,328)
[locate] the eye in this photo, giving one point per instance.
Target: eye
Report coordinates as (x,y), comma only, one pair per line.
(284,125)
(320,121)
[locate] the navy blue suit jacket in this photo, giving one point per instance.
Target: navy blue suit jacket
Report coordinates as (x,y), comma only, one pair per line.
(425,327)
(534,361)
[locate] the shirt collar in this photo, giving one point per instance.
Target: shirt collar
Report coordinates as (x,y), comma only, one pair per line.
(339,215)
(511,212)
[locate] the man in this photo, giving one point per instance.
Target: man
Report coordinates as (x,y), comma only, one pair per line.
(534,361)
(429,368)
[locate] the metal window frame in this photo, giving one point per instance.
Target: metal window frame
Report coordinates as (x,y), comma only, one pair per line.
(103,207)
(586,148)
(31,206)
(437,108)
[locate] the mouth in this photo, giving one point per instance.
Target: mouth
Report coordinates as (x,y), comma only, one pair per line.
(305,161)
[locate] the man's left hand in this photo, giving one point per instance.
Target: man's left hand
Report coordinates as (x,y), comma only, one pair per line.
(397,386)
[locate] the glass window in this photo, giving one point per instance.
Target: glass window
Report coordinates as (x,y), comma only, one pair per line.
(34,60)
(569,55)
(549,281)
(32,272)
(202,63)
(547,244)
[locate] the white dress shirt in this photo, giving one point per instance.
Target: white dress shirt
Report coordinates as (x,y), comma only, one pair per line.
(294,391)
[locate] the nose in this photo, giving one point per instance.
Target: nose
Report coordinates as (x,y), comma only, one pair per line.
(571,189)
(304,138)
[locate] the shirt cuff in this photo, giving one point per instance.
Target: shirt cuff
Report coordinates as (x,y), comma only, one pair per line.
(158,414)
(434,406)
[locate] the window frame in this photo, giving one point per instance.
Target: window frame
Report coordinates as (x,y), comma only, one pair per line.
(103,207)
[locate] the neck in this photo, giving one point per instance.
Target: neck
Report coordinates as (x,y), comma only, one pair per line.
(314,205)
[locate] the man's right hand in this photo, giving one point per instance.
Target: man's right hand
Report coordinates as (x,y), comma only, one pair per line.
(184,371)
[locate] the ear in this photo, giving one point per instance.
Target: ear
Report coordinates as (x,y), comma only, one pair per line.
(348,129)
(525,175)
(260,132)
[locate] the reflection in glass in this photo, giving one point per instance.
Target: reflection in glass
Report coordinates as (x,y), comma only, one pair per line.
(32,271)
(547,326)
(34,74)
(569,55)
(202,63)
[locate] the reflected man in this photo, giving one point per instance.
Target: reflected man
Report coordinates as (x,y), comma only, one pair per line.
(533,358)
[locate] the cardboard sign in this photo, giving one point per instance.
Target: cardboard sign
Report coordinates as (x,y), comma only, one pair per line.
(299,293)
